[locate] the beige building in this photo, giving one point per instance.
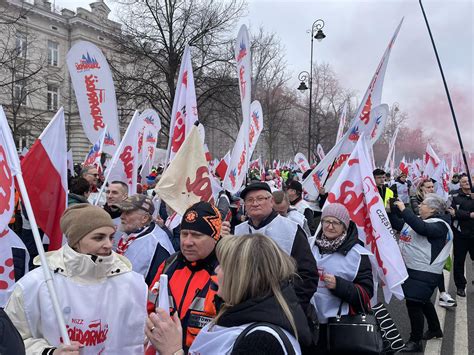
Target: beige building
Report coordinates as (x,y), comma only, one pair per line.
(34,80)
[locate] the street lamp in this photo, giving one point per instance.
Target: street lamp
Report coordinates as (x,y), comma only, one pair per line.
(316,33)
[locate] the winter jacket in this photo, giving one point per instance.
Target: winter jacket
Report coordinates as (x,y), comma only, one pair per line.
(462,222)
(307,282)
(10,339)
(73,199)
(307,212)
(265,309)
(420,284)
(30,307)
(191,291)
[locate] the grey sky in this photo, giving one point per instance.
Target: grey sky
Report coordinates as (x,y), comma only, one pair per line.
(357,35)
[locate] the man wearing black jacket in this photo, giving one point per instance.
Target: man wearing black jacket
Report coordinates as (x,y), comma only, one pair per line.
(462,212)
(289,236)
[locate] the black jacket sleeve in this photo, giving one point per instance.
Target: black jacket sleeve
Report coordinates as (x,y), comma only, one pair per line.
(258,342)
(307,283)
(322,199)
(430,230)
(347,291)
(308,213)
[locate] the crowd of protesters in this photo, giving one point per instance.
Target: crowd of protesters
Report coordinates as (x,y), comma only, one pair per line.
(259,272)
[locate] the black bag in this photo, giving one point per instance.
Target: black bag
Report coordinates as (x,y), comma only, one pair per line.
(286,342)
(357,334)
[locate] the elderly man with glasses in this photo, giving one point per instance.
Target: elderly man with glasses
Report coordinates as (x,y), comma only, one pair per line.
(258,203)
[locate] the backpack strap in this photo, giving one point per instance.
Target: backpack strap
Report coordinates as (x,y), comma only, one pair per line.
(284,338)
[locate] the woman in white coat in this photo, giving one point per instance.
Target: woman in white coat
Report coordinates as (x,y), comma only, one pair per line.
(103,301)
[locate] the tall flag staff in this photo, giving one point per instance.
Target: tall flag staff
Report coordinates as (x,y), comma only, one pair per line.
(448,95)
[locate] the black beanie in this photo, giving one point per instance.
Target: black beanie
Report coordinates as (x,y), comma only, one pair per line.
(203,218)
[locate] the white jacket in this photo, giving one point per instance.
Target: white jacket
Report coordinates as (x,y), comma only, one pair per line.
(103,302)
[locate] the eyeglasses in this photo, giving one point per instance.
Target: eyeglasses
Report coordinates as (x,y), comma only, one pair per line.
(95,175)
(327,223)
(259,200)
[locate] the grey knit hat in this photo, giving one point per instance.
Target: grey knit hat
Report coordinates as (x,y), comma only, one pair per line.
(338,211)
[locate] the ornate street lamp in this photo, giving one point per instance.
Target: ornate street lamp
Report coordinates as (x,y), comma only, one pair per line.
(316,33)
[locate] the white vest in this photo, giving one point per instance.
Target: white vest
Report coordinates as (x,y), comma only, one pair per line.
(107,317)
(346,267)
(301,206)
(280,229)
(416,249)
(140,251)
(217,340)
(299,219)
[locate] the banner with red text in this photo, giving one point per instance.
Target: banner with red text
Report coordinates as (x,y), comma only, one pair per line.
(187,179)
(125,162)
(302,162)
(184,112)
(95,93)
(256,125)
(237,170)
(330,167)
(355,189)
(149,127)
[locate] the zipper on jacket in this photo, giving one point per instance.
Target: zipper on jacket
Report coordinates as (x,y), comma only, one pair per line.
(184,293)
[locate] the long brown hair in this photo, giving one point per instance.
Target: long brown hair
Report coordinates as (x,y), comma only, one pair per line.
(253,266)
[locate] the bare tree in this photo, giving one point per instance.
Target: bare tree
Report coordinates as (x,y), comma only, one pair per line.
(154,37)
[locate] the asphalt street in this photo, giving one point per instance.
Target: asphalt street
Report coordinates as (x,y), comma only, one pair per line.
(458,327)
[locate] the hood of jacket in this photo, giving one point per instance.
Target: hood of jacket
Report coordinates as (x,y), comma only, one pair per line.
(267,309)
(85,268)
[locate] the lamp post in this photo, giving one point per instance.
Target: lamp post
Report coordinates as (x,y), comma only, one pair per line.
(316,33)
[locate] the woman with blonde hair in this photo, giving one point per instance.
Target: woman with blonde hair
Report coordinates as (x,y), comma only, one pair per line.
(259,312)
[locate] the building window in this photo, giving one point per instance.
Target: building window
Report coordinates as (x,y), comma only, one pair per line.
(20,44)
(19,90)
(53,97)
(53,53)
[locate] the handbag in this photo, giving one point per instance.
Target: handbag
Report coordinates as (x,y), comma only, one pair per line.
(354,334)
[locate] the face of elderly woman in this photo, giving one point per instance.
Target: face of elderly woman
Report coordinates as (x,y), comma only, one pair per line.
(332,227)
(425,211)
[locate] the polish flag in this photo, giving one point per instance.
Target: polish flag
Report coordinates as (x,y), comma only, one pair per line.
(45,173)
(404,167)
(221,168)
(431,161)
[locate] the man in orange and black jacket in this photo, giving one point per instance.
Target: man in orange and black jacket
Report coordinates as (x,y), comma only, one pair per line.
(191,272)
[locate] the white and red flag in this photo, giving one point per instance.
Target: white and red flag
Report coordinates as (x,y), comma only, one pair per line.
(187,179)
(95,93)
(149,128)
(302,162)
(9,166)
(431,162)
(342,123)
(238,166)
(45,174)
(355,188)
(441,176)
(184,112)
(222,166)
(93,157)
(391,148)
(256,125)
(125,162)
(404,166)
(370,119)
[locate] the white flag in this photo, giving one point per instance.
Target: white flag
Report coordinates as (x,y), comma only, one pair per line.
(320,151)
(355,188)
(256,125)
(342,123)
(431,162)
(95,93)
(184,112)
(302,162)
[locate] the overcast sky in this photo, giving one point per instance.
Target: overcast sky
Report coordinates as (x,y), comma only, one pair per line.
(357,35)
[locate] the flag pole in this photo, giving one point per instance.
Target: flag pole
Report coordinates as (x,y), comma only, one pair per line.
(46,271)
(448,95)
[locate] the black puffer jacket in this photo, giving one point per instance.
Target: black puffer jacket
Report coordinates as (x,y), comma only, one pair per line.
(462,222)
(266,309)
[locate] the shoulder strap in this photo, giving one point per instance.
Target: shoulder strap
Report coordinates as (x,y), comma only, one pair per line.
(284,338)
